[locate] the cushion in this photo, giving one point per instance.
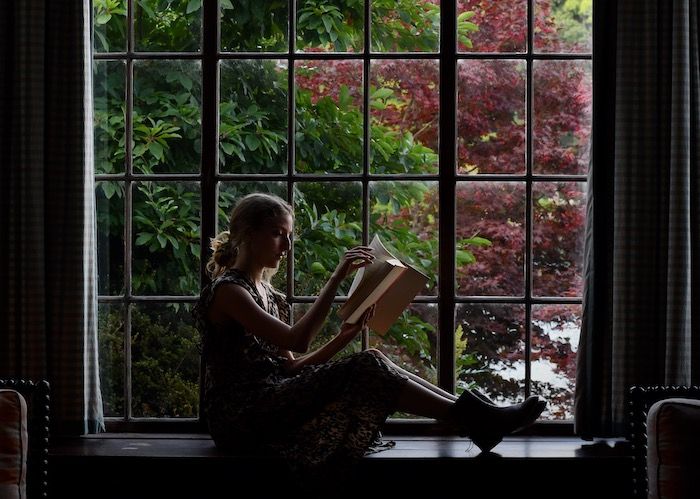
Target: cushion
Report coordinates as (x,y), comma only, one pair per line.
(13,445)
(673,455)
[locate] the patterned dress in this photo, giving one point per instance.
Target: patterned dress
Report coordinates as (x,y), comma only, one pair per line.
(319,419)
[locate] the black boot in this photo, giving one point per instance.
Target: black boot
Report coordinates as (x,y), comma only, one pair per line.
(486,424)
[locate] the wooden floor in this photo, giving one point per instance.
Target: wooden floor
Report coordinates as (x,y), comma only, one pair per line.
(188,465)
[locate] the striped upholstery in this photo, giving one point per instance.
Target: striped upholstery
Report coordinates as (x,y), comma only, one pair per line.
(48,302)
(14,445)
(673,455)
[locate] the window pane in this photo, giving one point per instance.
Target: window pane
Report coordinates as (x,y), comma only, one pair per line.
(110,330)
(405,216)
(254,26)
(405,103)
(109,104)
(328,223)
(559,216)
(167,116)
(555,334)
(490,258)
(563,26)
(562,122)
(330,25)
(109,25)
(166,218)
(164,361)
(253,114)
(491,116)
(490,350)
(411,343)
(168,26)
(406,25)
(330,328)
(109,199)
(230,192)
(329,128)
(492,26)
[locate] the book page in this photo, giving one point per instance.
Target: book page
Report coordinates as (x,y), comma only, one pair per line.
(381,255)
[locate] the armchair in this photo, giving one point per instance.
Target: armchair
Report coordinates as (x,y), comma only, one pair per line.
(664,422)
(36,397)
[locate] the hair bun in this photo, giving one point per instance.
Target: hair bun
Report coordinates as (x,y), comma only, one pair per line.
(223,248)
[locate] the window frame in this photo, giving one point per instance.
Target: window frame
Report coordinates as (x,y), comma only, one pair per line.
(447,178)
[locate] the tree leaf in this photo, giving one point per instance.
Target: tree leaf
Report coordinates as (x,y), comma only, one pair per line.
(252,142)
(193,5)
(156,150)
(144,238)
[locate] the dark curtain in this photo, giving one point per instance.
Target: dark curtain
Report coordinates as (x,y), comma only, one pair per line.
(640,305)
(47,218)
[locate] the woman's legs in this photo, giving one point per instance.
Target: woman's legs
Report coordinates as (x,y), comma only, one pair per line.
(471,413)
(415,378)
(416,399)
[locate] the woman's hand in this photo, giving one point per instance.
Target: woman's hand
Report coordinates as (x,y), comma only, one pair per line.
(351,330)
(353,259)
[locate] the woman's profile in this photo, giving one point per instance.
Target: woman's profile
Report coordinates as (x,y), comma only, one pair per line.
(316,412)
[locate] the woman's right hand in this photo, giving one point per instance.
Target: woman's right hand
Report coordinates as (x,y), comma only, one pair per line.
(351,330)
(353,259)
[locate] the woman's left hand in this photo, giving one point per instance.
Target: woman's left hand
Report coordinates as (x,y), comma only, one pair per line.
(353,259)
(352,330)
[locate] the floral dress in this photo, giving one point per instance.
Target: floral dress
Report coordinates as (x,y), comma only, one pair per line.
(321,417)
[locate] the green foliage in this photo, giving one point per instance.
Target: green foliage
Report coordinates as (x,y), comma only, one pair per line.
(405,25)
(165,362)
(328,134)
(252,25)
(574,20)
(109,25)
(168,25)
(111,354)
(465,27)
(331,25)
(168,221)
(320,242)
(253,117)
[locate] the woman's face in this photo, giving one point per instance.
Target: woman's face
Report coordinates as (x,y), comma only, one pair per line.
(272,242)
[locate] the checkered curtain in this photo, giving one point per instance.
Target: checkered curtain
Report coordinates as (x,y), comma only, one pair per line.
(641,311)
(48,303)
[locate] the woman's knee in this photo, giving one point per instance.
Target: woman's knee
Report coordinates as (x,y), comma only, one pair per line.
(381,356)
(375,358)
(375,352)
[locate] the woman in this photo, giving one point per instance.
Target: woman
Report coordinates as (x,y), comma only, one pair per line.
(316,412)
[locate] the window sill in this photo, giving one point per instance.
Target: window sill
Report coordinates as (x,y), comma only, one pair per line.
(405,427)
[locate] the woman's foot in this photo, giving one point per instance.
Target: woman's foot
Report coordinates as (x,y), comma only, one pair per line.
(486,424)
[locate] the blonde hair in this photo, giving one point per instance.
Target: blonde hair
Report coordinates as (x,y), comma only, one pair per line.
(251,212)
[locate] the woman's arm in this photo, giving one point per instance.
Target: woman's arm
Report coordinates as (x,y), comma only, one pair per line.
(306,328)
(332,347)
(234,302)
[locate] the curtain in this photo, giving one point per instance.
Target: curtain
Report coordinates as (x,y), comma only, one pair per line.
(48,302)
(641,310)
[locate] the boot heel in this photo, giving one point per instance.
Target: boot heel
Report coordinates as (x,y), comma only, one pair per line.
(486,442)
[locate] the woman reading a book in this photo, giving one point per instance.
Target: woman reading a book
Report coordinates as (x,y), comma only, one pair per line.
(315,412)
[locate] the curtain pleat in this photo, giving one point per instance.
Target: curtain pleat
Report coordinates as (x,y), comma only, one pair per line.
(642,236)
(48,302)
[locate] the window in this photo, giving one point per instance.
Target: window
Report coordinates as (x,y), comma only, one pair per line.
(458,131)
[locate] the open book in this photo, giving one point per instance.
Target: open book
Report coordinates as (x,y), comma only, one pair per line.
(388,282)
